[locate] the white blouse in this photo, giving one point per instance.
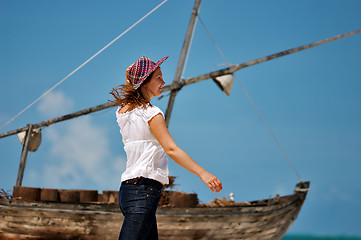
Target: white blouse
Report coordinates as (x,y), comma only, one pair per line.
(145,156)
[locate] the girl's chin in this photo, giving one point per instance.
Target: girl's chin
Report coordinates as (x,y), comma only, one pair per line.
(157,95)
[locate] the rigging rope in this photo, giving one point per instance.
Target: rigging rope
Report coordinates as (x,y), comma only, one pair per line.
(253,104)
(82,65)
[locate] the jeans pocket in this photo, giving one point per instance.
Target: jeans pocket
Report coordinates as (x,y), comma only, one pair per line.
(139,199)
(153,191)
(153,197)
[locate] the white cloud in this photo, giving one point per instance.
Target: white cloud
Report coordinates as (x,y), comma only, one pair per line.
(79,155)
(55,104)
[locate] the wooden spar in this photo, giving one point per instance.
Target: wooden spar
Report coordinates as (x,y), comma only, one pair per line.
(24,155)
(181,60)
(178,85)
(62,118)
(237,67)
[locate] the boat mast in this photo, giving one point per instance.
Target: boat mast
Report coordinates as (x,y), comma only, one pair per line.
(181,60)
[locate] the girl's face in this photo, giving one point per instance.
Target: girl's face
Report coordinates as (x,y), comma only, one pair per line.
(153,88)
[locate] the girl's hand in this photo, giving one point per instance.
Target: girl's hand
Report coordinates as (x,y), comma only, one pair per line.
(212,182)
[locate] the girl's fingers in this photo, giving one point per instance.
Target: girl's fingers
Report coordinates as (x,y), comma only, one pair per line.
(212,182)
(210,185)
(215,185)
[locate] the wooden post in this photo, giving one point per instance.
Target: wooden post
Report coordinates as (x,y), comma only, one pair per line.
(182,60)
(24,154)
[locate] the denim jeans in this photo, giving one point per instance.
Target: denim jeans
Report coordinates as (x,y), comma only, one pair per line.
(138,204)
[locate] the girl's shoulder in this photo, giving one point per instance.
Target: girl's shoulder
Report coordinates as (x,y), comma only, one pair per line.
(122,109)
(150,111)
(126,109)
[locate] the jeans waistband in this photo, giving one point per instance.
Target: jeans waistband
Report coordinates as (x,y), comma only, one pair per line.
(143,181)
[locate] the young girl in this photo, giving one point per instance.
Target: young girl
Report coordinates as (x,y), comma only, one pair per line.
(147,143)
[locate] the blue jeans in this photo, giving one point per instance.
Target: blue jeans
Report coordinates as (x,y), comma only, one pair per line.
(138,204)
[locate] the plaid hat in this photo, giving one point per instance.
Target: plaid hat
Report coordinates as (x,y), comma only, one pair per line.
(141,69)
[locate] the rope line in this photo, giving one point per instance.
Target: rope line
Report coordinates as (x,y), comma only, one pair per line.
(214,42)
(253,104)
(83,64)
(269,129)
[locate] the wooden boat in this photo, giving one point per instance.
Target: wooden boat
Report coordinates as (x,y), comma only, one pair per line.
(263,219)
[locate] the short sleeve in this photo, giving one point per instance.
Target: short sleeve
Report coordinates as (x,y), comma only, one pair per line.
(150,112)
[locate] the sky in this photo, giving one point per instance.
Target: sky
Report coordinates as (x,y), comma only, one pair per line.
(311,99)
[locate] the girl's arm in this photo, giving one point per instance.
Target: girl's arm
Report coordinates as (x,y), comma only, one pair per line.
(161,133)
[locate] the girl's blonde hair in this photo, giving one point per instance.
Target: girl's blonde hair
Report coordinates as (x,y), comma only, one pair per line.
(125,94)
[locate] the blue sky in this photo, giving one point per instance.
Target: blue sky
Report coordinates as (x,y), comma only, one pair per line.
(311,99)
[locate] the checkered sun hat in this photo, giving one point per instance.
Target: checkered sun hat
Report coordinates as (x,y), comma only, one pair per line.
(141,69)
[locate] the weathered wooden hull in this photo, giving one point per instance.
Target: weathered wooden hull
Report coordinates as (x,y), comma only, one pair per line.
(266,219)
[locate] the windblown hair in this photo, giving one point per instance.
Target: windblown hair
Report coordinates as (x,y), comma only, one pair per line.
(125,94)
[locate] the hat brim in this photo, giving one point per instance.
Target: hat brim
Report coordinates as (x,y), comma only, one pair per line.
(150,71)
